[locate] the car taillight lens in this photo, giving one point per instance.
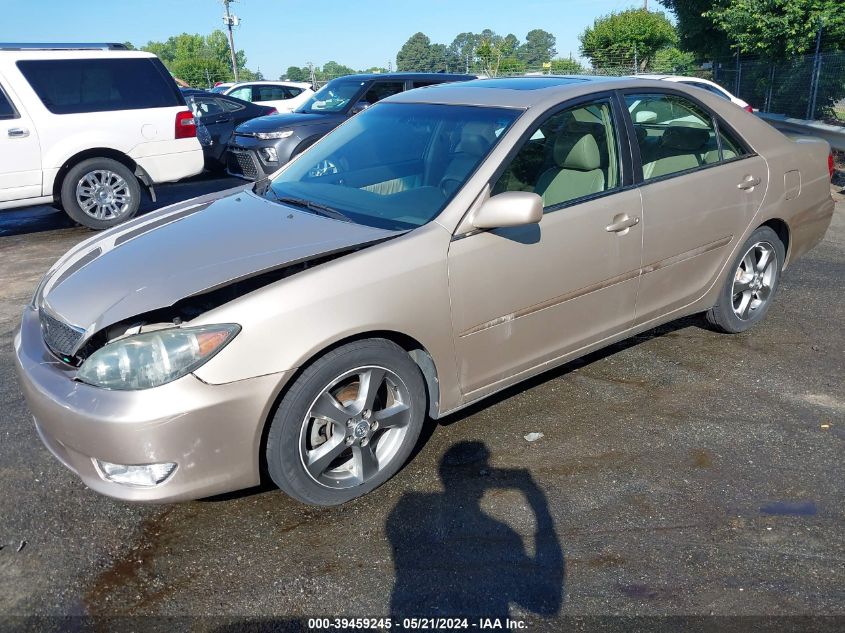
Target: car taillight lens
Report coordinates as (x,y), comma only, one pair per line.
(271,111)
(748,108)
(830,168)
(186,127)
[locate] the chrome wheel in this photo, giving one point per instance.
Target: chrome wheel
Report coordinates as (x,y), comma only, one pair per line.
(754,279)
(103,195)
(355,427)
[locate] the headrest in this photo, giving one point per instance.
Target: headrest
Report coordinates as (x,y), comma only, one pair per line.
(642,133)
(688,139)
(574,152)
(476,139)
(473,144)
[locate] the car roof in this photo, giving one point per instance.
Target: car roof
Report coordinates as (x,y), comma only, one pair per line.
(76,53)
(409,75)
(519,92)
(266,82)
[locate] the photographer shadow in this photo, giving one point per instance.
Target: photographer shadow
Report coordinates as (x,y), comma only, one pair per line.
(452,559)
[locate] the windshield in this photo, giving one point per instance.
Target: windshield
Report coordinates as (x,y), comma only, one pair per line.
(393,166)
(333,97)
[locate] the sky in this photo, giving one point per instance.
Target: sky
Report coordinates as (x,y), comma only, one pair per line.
(276,34)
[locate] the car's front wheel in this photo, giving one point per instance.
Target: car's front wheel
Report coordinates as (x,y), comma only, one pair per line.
(100,193)
(347,424)
(751,284)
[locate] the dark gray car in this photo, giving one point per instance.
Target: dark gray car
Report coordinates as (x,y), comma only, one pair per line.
(260,146)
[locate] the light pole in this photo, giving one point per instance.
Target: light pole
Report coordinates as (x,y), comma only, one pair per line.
(231,21)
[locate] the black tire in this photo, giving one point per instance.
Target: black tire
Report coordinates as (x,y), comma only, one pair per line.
(291,420)
(78,172)
(723,316)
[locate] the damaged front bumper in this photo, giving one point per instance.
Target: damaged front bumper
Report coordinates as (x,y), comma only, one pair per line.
(211,432)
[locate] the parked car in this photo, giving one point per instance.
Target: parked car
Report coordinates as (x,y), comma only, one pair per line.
(221,86)
(704,84)
(86,126)
(217,116)
(261,146)
(439,247)
(285,96)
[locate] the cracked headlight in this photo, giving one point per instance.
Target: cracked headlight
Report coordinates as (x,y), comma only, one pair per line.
(267,136)
(154,358)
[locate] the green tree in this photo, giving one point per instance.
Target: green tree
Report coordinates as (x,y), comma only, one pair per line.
(615,39)
(198,59)
(461,52)
(696,32)
(673,61)
(779,29)
(566,66)
(295,73)
(332,69)
(415,54)
(539,47)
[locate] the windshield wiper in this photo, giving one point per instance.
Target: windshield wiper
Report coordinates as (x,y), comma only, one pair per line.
(316,207)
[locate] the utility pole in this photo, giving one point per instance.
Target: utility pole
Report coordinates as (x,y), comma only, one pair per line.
(645,5)
(231,21)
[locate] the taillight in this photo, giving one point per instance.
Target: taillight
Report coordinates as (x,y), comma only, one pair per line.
(830,165)
(186,127)
(748,108)
(271,111)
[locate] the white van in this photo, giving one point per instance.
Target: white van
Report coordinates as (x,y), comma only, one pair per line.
(86,126)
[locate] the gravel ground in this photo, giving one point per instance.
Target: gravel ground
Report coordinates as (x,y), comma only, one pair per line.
(682,472)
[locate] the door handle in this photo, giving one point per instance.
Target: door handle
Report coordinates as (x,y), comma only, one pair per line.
(621,223)
(748,183)
(18,132)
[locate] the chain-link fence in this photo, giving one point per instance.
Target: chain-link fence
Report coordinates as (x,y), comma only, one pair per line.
(808,87)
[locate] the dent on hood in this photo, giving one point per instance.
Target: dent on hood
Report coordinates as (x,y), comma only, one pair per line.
(191,307)
(179,264)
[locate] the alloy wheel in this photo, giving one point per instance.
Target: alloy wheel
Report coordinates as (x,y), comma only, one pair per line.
(754,279)
(355,427)
(103,194)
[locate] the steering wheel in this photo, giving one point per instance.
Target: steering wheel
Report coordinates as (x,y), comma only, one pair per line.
(449,185)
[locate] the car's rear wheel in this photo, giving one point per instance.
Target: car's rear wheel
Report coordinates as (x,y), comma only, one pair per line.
(100,193)
(347,424)
(750,287)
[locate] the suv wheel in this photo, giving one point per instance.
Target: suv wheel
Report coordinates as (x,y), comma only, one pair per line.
(100,193)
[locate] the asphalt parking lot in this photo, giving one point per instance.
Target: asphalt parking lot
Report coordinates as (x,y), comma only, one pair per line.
(681,472)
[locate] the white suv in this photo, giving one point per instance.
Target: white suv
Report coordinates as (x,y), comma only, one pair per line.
(86,126)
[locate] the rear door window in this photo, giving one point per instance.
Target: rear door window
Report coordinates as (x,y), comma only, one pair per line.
(674,134)
(70,86)
(244,93)
(269,93)
(204,107)
(383,89)
(7,110)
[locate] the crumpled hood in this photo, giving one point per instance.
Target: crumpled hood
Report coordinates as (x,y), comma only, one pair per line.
(278,122)
(184,250)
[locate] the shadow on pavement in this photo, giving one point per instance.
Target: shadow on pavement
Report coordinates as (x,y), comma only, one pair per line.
(49,218)
(452,559)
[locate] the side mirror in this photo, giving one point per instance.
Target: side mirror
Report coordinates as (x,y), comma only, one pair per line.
(359,107)
(511,208)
